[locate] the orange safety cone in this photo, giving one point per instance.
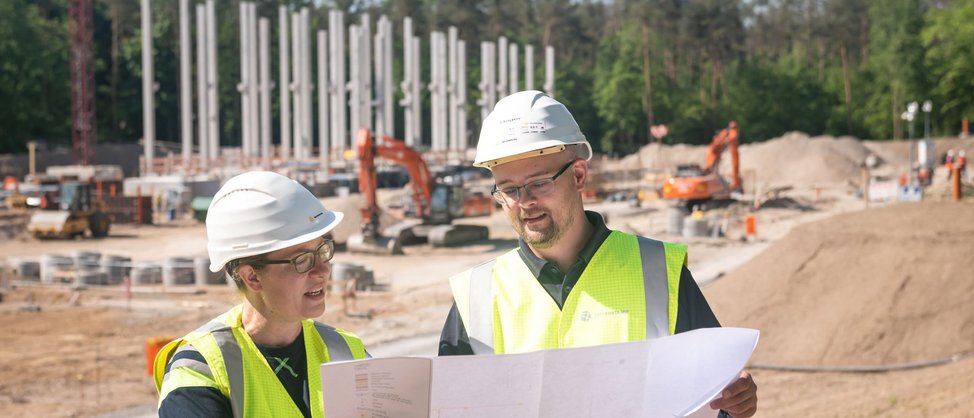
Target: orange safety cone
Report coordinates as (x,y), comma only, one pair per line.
(750,226)
(152,347)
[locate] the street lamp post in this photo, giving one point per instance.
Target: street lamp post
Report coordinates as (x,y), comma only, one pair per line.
(927,107)
(908,116)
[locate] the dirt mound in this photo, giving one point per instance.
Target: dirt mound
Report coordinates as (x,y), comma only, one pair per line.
(882,286)
(943,192)
(796,159)
(792,159)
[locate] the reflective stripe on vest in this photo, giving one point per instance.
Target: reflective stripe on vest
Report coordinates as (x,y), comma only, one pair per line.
(338,347)
(653,257)
(481,329)
(661,266)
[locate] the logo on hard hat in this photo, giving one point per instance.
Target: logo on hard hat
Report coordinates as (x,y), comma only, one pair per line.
(313,219)
(532,127)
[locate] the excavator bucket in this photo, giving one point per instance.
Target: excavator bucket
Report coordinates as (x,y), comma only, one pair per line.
(358,243)
(456,235)
(390,242)
(51,223)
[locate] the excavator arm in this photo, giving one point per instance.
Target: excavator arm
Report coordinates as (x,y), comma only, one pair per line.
(725,140)
(396,151)
(437,228)
(695,184)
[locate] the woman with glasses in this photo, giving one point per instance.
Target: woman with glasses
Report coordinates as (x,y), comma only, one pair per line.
(261,358)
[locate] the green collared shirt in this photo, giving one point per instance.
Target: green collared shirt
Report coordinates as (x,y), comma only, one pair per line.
(559,284)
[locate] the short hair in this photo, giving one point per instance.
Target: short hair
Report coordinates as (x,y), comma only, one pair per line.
(232,267)
(572,150)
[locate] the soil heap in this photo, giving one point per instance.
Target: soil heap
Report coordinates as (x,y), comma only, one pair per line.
(882,286)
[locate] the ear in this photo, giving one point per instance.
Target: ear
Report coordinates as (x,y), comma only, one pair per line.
(249,277)
(580,174)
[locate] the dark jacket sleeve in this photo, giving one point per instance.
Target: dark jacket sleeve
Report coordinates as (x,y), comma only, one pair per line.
(453,339)
(194,401)
(693,311)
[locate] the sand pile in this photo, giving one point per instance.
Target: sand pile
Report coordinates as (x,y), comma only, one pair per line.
(665,157)
(889,285)
(793,159)
(797,160)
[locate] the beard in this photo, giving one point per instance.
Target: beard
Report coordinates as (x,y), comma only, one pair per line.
(548,231)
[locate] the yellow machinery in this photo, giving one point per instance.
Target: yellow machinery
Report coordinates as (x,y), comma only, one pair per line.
(78,210)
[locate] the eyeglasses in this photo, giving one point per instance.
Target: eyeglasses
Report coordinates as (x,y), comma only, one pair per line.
(304,262)
(535,188)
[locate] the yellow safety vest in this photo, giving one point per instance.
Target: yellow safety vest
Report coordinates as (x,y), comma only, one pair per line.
(628,292)
(236,367)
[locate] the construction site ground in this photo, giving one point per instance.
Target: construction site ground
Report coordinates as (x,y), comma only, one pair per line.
(828,282)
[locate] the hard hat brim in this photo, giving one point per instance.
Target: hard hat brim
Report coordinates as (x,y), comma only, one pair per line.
(331,221)
(533,150)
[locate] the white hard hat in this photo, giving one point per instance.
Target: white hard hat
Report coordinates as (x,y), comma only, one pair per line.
(950,152)
(527,124)
(259,212)
(961,153)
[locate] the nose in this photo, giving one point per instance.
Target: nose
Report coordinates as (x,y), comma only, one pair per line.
(322,267)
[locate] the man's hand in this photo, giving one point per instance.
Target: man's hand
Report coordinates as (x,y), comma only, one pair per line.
(739,399)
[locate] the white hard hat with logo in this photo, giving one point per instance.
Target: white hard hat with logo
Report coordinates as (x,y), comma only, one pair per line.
(527,124)
(260,211)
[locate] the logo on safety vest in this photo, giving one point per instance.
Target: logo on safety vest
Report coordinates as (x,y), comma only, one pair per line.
(584,316)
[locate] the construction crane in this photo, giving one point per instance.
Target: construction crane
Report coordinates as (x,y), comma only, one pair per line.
(437,203)
(82,82)
(694,185)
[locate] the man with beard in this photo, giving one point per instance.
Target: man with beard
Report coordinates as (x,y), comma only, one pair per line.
(571,282)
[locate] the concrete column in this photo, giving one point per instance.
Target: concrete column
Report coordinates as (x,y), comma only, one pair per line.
(512,58)
(295,86)
(453,136)
(148,88)
(502,71)
(185,84)
(201,101)
(338,89)
(549,71)
(264,28)
(212,80)
(324,145)
(242,86)
(285,82)
(488,78)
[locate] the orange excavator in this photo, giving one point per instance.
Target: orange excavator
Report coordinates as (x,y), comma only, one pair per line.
(694,185)
(437,203)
